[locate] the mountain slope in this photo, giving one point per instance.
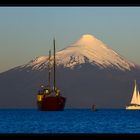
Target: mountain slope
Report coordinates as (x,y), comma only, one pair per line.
(87,49)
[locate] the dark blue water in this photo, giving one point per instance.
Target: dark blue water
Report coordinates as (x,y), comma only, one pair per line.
(69,121)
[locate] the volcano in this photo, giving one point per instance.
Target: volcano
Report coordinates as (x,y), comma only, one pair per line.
(88,72)
(87,49)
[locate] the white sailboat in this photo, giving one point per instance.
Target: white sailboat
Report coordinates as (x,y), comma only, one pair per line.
(135,101)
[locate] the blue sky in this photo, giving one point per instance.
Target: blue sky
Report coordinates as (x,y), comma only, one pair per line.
(27,32)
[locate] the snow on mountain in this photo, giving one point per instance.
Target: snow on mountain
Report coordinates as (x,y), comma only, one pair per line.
(87,49)
(37,63)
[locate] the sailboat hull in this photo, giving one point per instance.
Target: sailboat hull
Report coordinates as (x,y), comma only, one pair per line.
(133,107)
(52,103)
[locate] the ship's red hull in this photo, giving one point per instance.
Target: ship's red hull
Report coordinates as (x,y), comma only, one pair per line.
(52,103)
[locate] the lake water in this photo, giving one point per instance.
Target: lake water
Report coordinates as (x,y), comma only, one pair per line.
(32,121)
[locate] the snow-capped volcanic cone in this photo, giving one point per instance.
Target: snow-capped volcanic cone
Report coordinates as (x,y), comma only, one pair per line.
(87,49)
(88,72)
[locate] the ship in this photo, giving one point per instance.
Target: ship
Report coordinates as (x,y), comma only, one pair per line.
(49,98)
(135,101)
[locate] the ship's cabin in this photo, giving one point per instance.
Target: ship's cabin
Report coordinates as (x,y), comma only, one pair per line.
(44,90)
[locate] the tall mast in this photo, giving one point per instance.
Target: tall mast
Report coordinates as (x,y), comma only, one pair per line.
(54,65)
(49,67)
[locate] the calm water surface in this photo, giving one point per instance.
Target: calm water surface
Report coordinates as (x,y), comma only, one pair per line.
(69,121)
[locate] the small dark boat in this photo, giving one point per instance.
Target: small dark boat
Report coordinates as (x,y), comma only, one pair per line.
(49,99)
(94,108)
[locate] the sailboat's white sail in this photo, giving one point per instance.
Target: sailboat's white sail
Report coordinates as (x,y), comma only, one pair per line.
(135,99)
(138,98)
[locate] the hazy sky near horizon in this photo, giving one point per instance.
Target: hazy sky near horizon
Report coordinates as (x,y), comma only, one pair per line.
(27,32)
